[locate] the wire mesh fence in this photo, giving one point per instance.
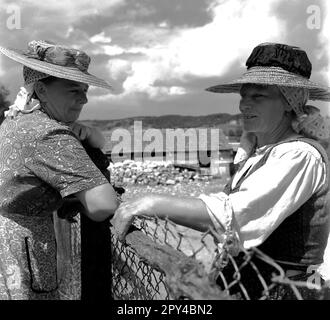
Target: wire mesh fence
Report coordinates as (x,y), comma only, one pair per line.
(134,279)
(163,261)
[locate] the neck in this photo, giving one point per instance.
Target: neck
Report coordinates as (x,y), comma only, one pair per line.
(280,133)
(45,108)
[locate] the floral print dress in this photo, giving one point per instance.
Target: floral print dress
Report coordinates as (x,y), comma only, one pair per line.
(41,162)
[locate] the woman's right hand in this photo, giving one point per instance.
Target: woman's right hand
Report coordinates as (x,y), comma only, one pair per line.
(127,211)
(186,211)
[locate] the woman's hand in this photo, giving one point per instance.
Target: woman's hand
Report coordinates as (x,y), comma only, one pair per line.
(81,131)
(93,136)
(127,211)
(186,211)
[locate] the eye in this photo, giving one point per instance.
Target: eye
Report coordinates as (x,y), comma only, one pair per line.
(259,96)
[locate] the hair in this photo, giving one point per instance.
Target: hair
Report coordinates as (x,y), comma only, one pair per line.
(45,81)
(48,80)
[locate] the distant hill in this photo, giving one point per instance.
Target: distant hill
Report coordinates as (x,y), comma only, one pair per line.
(168,121)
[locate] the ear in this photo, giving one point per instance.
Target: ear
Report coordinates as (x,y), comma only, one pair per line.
(41,91)
(287,107)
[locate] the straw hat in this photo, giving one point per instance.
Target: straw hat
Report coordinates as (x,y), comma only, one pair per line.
(277,64)
(56,60)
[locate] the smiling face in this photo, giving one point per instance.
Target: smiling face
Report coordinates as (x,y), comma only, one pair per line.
(263,108)
(63,99)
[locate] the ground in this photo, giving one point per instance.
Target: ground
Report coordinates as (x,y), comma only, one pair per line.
(193,188)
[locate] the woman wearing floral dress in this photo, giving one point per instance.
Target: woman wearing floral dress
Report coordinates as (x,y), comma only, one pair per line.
(42,161)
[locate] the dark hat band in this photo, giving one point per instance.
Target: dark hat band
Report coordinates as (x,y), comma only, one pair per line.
(289,58)
(58,55)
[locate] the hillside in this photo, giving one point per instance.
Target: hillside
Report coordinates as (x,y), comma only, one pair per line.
(167,121)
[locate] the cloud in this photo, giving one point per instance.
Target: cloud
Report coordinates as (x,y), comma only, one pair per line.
(206,51)
(100,38)
(70,10)
(325,39)
(307,29)
(160,55)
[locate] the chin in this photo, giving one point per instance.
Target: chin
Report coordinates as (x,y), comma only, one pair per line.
(251,127)
(248,128)
(74,117)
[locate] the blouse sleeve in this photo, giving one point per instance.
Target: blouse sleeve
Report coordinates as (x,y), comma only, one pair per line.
(265,198)
(324,268)
(60,160)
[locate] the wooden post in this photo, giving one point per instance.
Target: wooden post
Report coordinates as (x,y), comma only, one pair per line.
(95,246)
(95,260)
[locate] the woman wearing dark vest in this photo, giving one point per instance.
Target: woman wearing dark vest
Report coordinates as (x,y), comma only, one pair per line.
(276,199)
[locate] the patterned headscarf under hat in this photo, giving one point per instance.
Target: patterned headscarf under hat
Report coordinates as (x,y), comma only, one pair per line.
(308,120)
(32,76)
(24,101)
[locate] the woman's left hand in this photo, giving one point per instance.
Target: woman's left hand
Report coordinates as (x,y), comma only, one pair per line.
(127,211)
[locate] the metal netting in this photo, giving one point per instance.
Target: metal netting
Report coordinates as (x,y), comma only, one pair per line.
(162,260)
(132,278)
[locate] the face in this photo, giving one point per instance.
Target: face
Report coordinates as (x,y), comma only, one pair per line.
(263,108)
(64,98)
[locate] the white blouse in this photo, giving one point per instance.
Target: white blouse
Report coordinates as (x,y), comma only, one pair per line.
(293,172)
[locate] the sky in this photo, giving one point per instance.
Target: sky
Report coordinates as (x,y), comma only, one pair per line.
(159,55)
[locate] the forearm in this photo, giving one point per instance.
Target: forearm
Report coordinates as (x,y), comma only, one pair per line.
(186,211)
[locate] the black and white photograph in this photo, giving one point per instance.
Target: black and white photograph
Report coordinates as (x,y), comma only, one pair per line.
(158,156)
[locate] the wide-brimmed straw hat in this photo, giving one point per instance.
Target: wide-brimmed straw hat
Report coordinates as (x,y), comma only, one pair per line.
(57,61)
(277,64)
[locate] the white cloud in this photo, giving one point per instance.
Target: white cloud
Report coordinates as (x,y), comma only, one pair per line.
(177,90)
(100,38)
(202,52)
(69,11)
(119,68)
(325,37)
(74,8)
(163,24)
(113,50)
(2,72)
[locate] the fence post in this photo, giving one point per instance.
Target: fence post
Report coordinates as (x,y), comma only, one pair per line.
(95,260)
(95,245)
(63,241)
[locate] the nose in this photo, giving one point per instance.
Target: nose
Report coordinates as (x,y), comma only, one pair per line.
(244,105)
(83,98)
